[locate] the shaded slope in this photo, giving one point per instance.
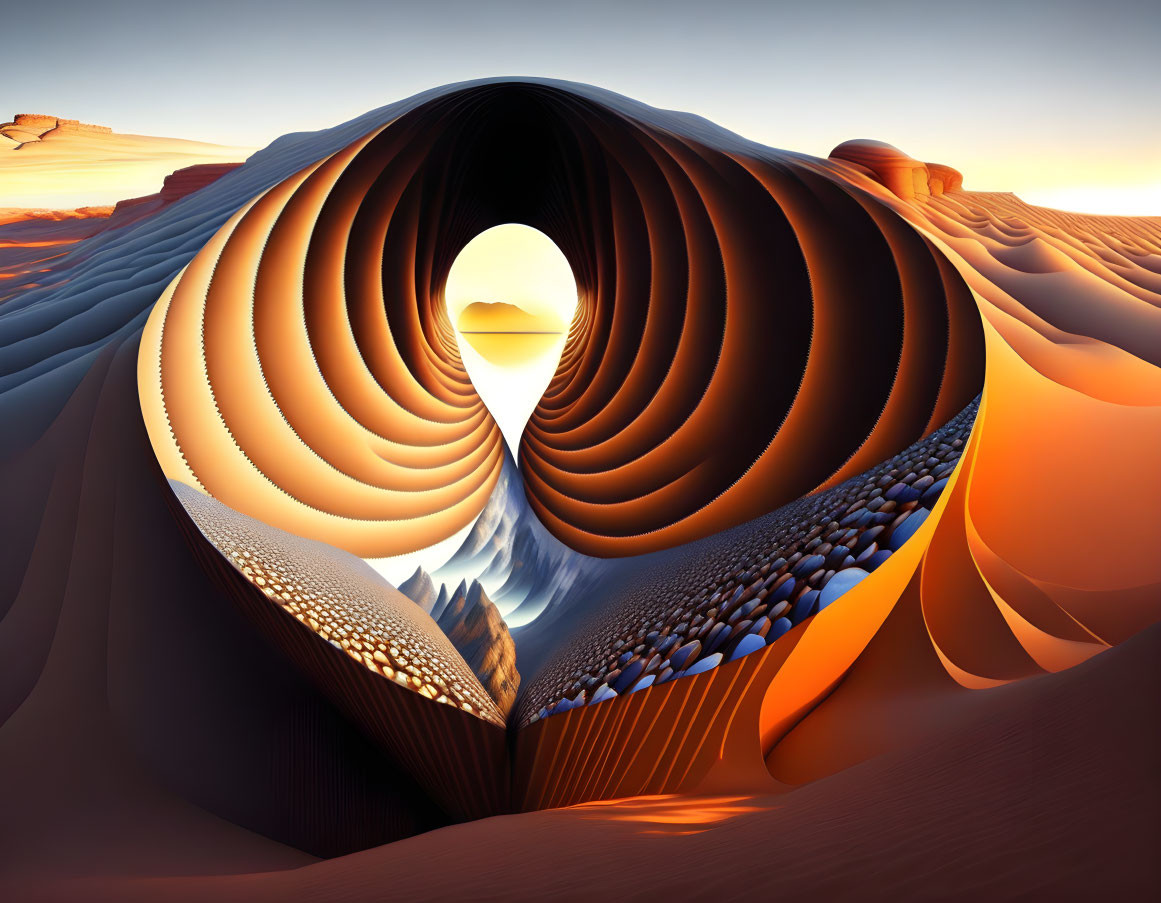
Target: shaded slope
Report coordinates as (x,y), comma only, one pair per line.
(420,590)
(903,710)
(1045,789)
(145,726)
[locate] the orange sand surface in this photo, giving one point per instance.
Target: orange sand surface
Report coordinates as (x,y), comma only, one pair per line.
(49,162)
(976,720)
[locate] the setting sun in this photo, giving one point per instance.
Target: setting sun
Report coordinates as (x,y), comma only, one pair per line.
(511,294)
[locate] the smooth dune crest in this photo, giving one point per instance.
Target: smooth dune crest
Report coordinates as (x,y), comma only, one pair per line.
(48,161)
(749,329)
(216,758)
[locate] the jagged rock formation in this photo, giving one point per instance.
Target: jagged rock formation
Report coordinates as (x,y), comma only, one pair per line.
(420,590)
(440,602)
(473,624)
(524,567)
(475,627)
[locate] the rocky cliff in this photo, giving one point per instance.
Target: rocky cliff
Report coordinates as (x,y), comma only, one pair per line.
(525,568)
(420,590)
(475,627)
(36,126)
(32,240)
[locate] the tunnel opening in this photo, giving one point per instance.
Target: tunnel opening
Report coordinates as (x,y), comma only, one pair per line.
(748,330)
(512,297)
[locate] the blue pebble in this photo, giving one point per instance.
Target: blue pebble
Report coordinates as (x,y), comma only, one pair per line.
(907,528)
(679,658)
(704,664)
(902,493)
(932,493)
(778,628)
(867,537)
(783,591)
(808,565)
(747,644)
(805,606)
(840,583)
(716,637)
(630,674)
(836,555)
(603,692)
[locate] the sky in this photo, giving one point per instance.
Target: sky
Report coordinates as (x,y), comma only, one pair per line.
(517,265)
(1053,100)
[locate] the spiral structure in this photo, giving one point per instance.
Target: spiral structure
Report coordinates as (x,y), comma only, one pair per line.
(750,328)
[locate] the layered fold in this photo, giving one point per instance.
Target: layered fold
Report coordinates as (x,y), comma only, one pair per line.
(749,329)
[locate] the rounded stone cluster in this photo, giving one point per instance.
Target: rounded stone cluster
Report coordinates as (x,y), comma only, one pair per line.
(322,588)
(732,594)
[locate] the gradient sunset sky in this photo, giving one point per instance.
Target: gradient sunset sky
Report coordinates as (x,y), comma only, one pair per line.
(1053,100)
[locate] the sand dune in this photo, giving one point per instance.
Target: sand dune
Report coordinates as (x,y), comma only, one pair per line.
(974,720)
(1043,790)
(35,242)
(50,162)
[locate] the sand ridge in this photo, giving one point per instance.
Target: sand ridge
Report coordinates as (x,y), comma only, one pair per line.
(50,162)
(976,720)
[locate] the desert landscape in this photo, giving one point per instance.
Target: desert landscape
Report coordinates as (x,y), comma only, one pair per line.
(825,567)
(49,157)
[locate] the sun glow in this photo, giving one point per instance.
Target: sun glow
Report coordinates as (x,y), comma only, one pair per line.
(511,295)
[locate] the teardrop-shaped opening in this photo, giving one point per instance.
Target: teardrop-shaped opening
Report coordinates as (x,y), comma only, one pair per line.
(511,296)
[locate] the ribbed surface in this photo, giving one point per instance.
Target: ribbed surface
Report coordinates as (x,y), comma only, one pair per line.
(749,329)
(696,734)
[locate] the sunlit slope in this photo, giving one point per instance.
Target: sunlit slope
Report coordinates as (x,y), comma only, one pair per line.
(58,163)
